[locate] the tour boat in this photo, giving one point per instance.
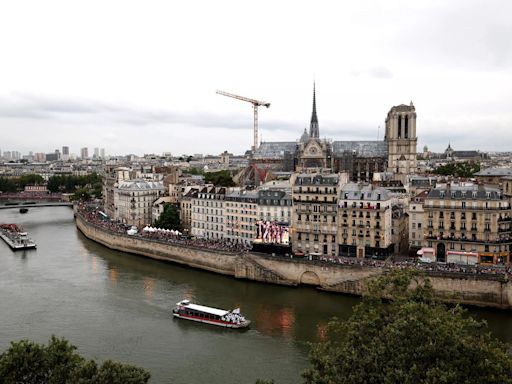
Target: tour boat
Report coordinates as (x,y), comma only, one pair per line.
(229,319)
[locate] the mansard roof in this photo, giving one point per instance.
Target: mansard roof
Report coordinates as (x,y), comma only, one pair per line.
(355,191)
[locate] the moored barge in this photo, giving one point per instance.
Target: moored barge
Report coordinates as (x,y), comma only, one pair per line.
(200,313)
(15,237)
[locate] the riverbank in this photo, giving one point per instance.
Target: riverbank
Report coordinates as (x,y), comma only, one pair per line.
(479,290)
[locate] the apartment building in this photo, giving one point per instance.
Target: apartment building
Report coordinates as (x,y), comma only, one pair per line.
(275,205)
(240,216)
(208,213)
(468,224)
(416,221)
(134,200)
(314,201)
(364,222)
(186,210)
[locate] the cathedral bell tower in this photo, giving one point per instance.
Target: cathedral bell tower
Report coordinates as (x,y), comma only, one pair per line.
(401,139)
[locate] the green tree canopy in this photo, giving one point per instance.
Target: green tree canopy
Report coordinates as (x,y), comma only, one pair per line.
(31,363)
(220,178)
(170,218)
(409,338)
(466,169)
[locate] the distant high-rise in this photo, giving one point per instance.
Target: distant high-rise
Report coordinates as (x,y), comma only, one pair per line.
(84,153)
(102,153)
(96,153)
(65,153)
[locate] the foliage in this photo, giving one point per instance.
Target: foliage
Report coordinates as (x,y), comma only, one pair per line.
(69,183)
(31,363)
(170,218)
(8,185)
(195,171)
(409,338)
(220,178)
(14,184)
(81,194)
(466,169)
(32,179)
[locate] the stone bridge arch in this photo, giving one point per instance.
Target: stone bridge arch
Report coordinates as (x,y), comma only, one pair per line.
(310,278)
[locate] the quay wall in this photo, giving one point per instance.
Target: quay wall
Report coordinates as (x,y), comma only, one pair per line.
(207,259)
(477,290)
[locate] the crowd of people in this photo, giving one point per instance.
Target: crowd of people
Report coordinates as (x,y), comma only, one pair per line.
(234,318)
(500,270)
(92,215)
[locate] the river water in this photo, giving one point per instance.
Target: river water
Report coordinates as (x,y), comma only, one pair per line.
(115,305)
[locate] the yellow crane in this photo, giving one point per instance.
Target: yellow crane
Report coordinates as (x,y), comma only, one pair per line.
(255,105)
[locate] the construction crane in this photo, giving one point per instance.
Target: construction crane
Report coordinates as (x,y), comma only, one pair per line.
(255,105)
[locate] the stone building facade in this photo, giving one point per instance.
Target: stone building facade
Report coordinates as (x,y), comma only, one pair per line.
(241,214)
(208,213)
(364,222)
(315,198)
(468,224)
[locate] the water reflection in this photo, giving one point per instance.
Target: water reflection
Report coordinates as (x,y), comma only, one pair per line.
(149,286)
(112,276)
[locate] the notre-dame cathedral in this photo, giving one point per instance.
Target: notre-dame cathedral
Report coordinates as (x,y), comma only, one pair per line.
(360,159)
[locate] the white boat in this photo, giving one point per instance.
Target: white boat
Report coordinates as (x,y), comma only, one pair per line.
(200,313)
(15,237)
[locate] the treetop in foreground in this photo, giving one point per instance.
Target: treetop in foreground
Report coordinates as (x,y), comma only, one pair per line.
(409,337)
(58,363)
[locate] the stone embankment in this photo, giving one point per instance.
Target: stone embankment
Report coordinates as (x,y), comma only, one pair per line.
(469,289)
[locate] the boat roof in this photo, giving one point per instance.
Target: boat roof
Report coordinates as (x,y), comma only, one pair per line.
(202,308)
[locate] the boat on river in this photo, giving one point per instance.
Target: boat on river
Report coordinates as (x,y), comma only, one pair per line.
(16,237)
(23,210)
(203,314)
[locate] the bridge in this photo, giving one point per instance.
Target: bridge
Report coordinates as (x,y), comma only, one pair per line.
(40,204)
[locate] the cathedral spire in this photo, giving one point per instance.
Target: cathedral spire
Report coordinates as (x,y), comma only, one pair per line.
(313,128)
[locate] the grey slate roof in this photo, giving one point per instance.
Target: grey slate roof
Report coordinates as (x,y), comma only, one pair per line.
(354,191)
(312,179)
(275,150)
(465,192)
(495,171)
(137,185)
(361,148)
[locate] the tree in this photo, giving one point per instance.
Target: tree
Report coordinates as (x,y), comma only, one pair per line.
(170,218)
(408,338)
(31,363)
(220,178)
(465,169)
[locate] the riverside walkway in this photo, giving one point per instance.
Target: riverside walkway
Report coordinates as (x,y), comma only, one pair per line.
(92,215)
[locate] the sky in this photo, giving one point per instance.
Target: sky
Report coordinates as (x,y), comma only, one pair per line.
(140,76)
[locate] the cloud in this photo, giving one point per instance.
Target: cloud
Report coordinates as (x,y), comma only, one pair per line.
(379,72)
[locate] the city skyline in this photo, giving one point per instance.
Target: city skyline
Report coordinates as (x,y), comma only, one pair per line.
(151,89)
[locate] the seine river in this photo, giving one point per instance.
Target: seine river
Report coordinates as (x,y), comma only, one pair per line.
(115,305)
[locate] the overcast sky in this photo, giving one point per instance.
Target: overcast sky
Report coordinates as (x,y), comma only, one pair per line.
(140,76)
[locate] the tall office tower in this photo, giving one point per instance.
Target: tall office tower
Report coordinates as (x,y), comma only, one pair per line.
(96,153)
(16,155)
(84,153)
(7,155)
(102,153)
(58,154)
(65,153)
(0,153)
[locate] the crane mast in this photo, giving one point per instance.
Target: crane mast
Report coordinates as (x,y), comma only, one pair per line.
(255,105)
